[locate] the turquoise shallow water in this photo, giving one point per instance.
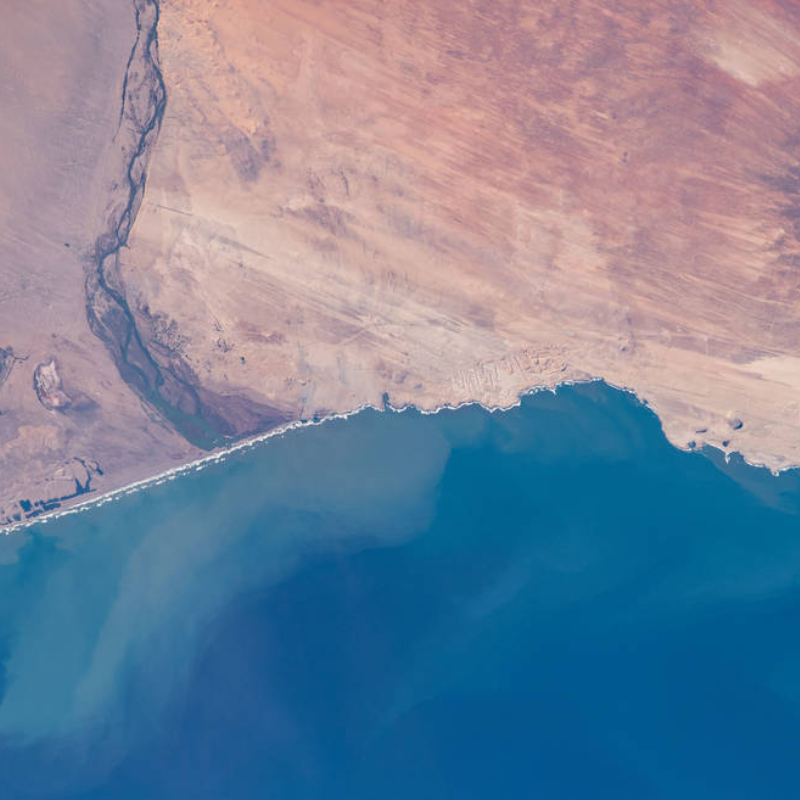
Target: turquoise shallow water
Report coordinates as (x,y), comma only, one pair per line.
(550,602)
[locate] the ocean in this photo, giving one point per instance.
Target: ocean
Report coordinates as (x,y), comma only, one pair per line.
(548,602)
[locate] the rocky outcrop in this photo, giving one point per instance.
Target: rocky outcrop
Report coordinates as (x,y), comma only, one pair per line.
(49,388)
(6,364)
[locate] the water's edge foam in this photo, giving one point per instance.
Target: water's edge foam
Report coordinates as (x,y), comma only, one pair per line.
(220,454)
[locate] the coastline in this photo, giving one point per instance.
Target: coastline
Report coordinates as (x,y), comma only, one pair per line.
(220,455)
(449,301)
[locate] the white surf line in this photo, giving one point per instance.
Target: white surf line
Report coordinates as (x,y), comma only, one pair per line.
(220,455)
(171,474)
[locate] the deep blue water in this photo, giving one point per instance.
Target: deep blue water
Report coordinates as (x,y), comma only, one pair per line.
(546,603)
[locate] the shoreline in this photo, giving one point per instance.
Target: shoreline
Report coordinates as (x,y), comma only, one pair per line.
(222,453)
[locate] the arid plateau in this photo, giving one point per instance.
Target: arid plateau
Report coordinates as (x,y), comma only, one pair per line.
(218,217)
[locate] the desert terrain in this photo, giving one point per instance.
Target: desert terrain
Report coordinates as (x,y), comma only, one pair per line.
(69,424)
(285,209)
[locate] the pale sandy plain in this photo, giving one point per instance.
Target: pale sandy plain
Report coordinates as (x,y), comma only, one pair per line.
(433,200)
